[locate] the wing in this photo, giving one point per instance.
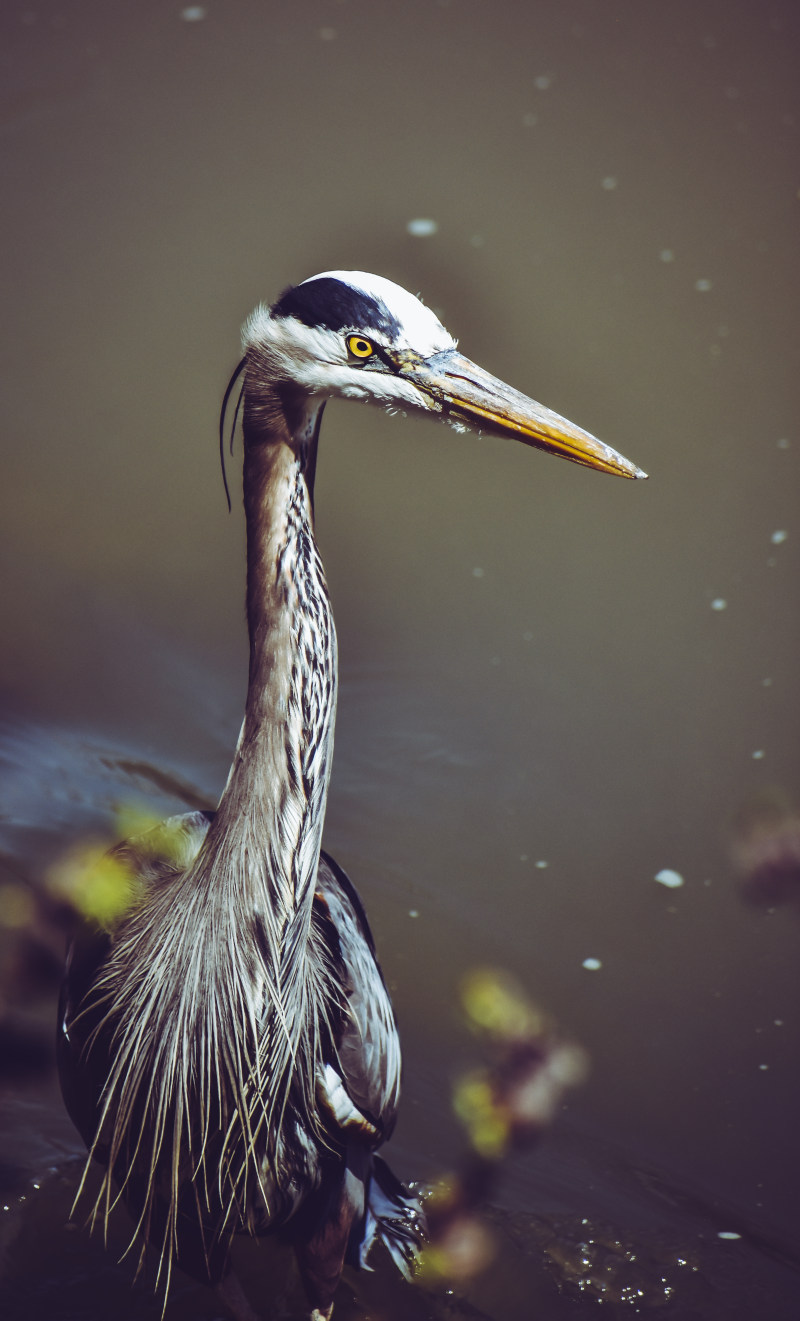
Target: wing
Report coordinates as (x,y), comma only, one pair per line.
(360,1089)
(362,1078)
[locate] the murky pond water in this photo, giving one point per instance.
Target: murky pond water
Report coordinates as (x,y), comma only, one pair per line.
(554,686)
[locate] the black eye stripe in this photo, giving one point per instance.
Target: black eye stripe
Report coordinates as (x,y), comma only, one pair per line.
(377,359)
(385,359)
(386,363)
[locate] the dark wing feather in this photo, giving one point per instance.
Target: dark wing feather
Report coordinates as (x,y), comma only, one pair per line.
(368,1196)
(82,1071)
(367,1058)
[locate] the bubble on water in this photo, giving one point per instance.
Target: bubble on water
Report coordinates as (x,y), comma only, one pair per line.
(422,228)
(477,572)
(672,879)
(193,13)
(719,603)
(702,286)
(666,254)
(758,755)
(609,183)
(779,536)
(591,964)
(543,81)
(728,1234)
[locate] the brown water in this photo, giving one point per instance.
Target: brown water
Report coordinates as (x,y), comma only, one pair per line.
(539,665)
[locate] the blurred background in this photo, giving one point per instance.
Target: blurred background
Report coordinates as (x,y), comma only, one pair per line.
(567,742)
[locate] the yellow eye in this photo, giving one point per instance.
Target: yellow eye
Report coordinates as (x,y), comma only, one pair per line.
(359,347)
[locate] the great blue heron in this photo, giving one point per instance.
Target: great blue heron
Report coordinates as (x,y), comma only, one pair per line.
(228,1051)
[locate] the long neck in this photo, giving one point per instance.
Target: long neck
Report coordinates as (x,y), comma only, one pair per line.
(274,801)
(249,993)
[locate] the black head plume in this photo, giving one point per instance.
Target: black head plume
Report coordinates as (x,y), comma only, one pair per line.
(231,383)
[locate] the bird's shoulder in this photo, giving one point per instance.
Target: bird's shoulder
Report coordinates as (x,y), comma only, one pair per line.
(165,850)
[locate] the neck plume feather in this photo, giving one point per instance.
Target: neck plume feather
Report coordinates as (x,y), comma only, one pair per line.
(219,991)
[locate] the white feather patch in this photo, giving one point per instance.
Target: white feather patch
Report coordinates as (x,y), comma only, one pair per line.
(344,1112)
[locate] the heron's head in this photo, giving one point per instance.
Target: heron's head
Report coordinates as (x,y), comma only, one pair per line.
(360,336)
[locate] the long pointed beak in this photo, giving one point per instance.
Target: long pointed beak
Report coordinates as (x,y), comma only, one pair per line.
(463,392)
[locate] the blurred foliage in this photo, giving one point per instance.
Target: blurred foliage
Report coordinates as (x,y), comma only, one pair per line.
(504,1106)
(495,1004)
(92,881)
(765,848)
(97,884)
(99,880)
